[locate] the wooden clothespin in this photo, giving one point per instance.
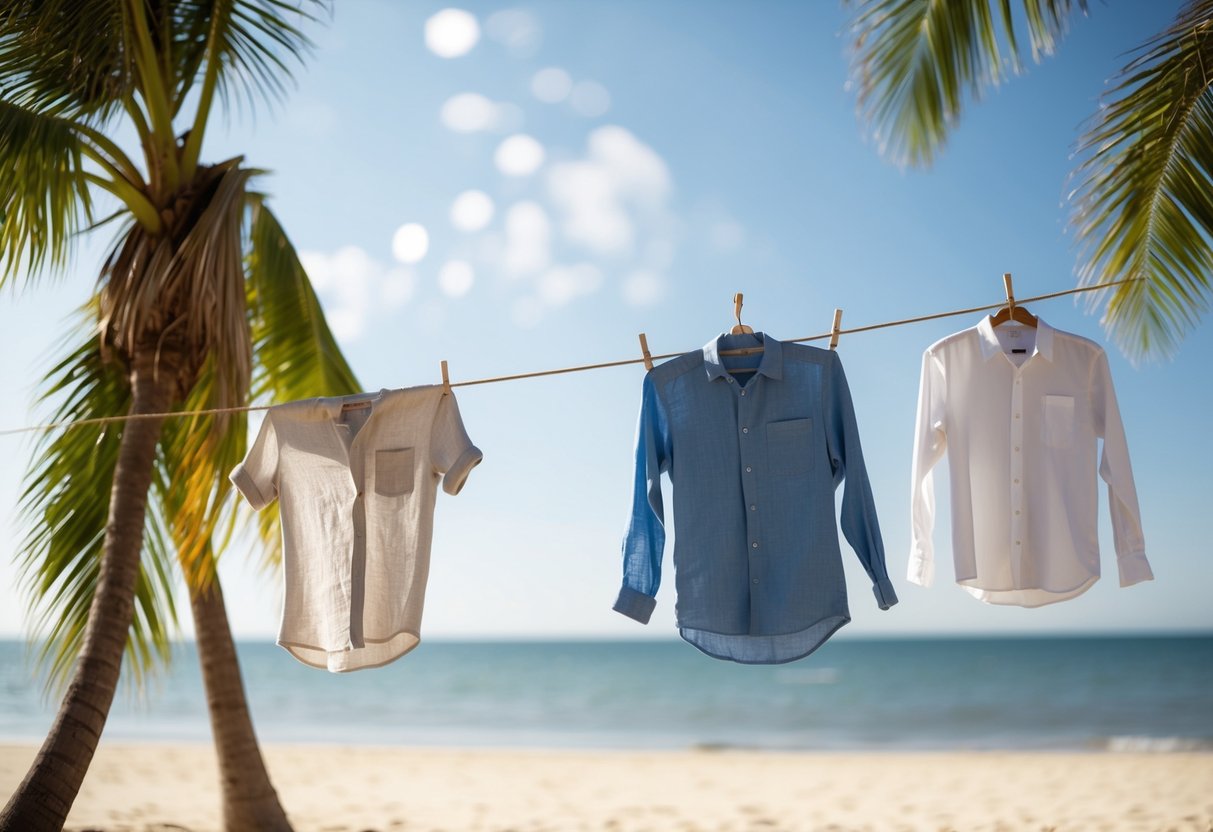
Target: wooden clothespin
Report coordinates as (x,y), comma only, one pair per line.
(834,329)
(644,350)
(446,380)
(1011,312)
(740,328)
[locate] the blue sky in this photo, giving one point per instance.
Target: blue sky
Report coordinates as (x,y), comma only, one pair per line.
(585,172)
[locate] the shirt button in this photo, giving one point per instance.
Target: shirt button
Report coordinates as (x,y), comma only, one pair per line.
(745,430)
(1017,511)
(359,493)
(730,380)
(754,545)
(1016,415)
(753,508)
(1017,449)
(1016,482)
(748,469)
(1017,543)
(743,392)
(755,580)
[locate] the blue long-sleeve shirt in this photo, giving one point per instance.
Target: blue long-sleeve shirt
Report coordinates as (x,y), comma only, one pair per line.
(755,459)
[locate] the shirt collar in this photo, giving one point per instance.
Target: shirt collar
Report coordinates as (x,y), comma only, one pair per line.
(990,345)
(771,365)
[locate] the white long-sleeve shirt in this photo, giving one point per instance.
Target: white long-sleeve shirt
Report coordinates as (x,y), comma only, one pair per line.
(1018,410)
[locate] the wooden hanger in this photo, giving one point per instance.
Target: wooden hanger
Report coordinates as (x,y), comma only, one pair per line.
(1012,312)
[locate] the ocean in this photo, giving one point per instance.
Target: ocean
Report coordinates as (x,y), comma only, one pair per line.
(1049,693)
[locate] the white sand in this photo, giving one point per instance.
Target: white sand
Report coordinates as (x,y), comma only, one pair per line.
(351,789)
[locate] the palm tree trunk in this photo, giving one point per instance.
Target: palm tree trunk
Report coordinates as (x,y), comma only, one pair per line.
(249,799)
(44,798)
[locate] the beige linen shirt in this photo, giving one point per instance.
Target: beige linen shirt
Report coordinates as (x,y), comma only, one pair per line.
(1019,412)
(356,479)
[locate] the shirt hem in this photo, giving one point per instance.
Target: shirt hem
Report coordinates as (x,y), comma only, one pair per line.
(843,620)
(989,596)
(287,645)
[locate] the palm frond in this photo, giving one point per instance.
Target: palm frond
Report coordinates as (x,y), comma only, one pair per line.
(297,355)
(244,53)
(65,57)
(915,61)
(191,488)
(64,508)
(44,191)
(1143,208)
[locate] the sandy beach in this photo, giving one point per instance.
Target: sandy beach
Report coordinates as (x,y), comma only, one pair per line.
(352,789)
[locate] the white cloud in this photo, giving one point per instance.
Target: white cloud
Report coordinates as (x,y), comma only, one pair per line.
(643,288)
(621,178)
(528,239)
(551,85)
(410,243)
(517,30)
(519,155)
(451,33)
(472,211)
(469,112)
(455,278)
(590,99)
(352,285)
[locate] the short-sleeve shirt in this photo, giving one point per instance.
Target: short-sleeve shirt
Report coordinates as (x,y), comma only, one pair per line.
(356,478)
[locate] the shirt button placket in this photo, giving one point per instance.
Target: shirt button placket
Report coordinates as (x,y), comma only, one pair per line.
(1017,477)
(749,488)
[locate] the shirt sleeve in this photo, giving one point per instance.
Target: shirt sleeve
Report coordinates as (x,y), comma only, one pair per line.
(645,540)
(859,523)
(1115,470)
(451,450)
(256,476)
(930,443)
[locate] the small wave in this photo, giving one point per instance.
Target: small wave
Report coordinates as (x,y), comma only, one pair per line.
(1157,745)
(807,676)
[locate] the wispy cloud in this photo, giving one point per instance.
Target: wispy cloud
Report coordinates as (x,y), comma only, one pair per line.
(517,30)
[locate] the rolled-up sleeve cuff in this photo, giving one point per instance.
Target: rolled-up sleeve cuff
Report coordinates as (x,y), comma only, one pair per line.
(635,605)
(1134,569)
(243,481)
(457,474)
(885,596)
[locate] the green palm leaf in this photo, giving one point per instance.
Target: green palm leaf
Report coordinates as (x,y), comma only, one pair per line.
(65,57)
(65,505)
(44,194)
(916,60)
(1143,207)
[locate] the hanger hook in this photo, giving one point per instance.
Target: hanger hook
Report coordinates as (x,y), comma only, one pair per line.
(737,307)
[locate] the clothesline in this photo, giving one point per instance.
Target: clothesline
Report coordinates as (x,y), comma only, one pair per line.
(70,423)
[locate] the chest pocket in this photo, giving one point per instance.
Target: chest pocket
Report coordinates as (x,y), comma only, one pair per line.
(394,472)
(1059,421)
(790,446)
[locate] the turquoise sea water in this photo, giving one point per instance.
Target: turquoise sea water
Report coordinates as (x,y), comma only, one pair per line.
(1030,693)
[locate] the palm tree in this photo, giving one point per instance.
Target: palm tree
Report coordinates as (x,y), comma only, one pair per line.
(1142,206)
(202,303)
